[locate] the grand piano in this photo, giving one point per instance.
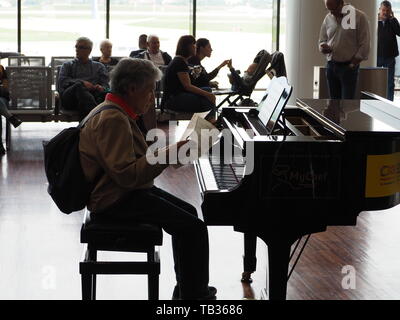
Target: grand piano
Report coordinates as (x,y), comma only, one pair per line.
(325,163)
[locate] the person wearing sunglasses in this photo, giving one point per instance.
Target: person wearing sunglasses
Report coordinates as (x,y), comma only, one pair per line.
(82,82)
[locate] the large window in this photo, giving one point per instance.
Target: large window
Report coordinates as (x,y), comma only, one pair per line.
(50,27)
(169,19)
(237,30)
(8,26)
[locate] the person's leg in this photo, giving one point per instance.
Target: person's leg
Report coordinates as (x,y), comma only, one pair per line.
(334,87)
(391,65)
(236,80)
(77,97)
(179,219)
(349,81)
(4,108)
(190,102)
(380,62)
(2,150)
(7,114)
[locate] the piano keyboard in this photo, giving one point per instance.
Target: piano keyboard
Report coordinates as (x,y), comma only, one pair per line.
(227,176)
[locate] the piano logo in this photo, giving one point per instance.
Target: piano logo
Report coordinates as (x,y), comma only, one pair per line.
(383,175)
(297,179)
(301,177)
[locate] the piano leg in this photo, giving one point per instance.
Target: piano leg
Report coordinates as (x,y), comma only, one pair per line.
(249,257)
(278,264)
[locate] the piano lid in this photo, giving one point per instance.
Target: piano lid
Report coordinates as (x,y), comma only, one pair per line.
(351,115)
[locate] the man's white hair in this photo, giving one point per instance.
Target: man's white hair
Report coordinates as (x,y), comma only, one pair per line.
(152,36)
(137,72)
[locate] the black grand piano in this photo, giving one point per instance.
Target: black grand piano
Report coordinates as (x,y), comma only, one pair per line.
(325,162)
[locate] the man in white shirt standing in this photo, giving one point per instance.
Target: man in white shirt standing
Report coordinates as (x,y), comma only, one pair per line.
(345,40)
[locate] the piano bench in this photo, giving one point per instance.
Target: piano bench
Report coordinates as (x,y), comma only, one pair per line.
(104,234)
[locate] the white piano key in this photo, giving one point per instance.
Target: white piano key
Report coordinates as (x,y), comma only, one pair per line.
(208,175)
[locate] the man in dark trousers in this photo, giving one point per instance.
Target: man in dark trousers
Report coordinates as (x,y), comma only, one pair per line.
(345,47)
(388,29)
(82,82)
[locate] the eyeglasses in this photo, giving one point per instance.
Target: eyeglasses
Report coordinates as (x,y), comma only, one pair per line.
(82,47)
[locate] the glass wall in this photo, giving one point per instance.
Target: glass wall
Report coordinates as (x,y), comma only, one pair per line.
(169,19)
(237,30)
(8,26)
(50,27)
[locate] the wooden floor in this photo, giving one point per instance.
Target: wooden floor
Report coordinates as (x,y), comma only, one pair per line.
(40,249)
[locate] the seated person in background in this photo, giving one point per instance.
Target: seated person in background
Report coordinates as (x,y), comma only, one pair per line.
(106,52)
(179,93)
(142,42)
(82,82)
(272,65)
(113,156)
(236,80)
(153,53)
(198,74)
(4,98)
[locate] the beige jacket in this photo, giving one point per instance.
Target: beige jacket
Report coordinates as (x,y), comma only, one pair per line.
(113,153)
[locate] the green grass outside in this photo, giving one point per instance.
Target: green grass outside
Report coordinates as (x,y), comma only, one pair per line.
(28,35)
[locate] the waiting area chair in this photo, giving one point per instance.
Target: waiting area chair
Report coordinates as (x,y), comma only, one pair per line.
(26,61)
(104,234)
(31,97)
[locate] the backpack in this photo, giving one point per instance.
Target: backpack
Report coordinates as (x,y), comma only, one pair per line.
(67,184)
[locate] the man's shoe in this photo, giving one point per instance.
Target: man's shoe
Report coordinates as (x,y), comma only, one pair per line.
(15,121)
(210,295)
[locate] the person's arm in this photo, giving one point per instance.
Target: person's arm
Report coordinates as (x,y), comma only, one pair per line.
(364,41)
(65,76)
(187,85)
(167,58)
(394,24)
(237,80)
(214,73)
(103,79)
(323,46)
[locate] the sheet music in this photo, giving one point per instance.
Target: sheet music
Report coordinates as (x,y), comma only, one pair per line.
(198,133)
(268,106)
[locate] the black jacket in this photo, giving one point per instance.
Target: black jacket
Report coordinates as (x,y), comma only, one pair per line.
(145,55)
(387,42)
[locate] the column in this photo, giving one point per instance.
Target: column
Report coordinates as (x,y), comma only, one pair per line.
(304,19)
